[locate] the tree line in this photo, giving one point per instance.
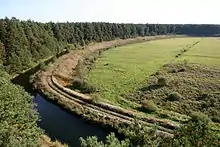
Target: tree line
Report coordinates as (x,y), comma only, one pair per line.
(23,43)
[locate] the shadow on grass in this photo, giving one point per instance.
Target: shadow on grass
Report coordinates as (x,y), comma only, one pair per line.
(150,87)
(145,110)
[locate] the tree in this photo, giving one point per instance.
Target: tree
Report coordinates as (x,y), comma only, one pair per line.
(2,52)
(197,132)
(111,141)
(18,119)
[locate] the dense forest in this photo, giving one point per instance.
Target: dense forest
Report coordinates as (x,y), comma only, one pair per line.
(18,119)
(23,43)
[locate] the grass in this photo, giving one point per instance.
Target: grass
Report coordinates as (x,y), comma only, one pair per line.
(195,89)
(206,52)
(121,70)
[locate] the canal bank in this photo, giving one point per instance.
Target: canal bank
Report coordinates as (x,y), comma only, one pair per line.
(58,123)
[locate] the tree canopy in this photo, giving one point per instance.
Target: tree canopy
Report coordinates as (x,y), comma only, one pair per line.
(23,43)
(18,119)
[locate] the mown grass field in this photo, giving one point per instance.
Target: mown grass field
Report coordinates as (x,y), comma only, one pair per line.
(121,70)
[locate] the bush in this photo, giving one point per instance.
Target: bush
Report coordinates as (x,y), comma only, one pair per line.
(111,141)
(199,117)
(96,98)
(77,83)
(88,88)
(196,132)
(174,96)
(82,86)
(54,59)
(41,65)
(162,81)
(149,106)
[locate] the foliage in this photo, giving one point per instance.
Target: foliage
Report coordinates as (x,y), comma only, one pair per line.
(196,132)
(23,43)
(174,96)
(82,86)
(111,141)
(41,65)
(195,89)
(18,119)
(162,81)
(149,106)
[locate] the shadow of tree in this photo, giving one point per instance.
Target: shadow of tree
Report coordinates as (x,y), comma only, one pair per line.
(150,87)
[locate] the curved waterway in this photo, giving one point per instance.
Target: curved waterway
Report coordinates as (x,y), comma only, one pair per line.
(62,125)
(58,123)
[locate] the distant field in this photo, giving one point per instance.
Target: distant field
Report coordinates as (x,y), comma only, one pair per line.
(121,70)
(206,52)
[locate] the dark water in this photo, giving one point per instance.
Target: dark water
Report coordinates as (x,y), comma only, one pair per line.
(62,125)
(58,123)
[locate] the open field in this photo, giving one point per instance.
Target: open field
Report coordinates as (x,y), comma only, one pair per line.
(189,87)
(206,52)
(121,70)
(125,76)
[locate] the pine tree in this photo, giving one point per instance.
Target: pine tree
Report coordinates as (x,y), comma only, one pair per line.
(2,52)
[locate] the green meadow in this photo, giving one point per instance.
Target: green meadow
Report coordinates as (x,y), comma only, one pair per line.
(123,69)
(206,52)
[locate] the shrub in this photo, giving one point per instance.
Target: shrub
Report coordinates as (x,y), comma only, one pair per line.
(96,98)
(197,132)
(162,81)
(216,118)
(77,83)
(111,141)
(82,86)
(199,117)
(88,88)
(149,106)
(41,65)
(54,59)
(174,96)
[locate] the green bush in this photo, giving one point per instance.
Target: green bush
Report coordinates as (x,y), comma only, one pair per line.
(41,65)
(196,133)
(174,96)
(54,59)
(88,88)
(149,106)
(82,86)
(199,117)
(77,83)
(111,141)
(162,81)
